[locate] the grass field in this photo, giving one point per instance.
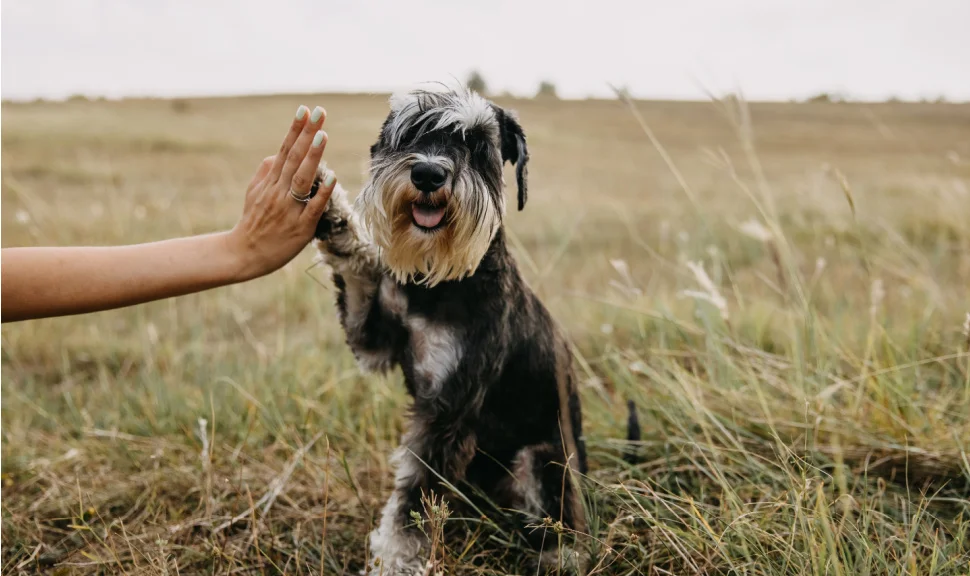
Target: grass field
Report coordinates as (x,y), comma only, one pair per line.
(782,288)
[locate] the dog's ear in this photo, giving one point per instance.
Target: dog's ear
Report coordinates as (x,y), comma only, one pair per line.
(514,149)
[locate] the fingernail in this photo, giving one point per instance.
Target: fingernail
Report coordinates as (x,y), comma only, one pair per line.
(329,179)
(301,112)
(317,113)
(318,139)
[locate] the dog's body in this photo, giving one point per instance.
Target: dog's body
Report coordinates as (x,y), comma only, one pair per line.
(425,282)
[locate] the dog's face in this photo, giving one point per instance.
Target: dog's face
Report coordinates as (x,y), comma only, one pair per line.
(434,199)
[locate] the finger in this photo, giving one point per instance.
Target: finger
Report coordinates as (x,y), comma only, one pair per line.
(303,178)
(317,204)
(296,128)
(298,152)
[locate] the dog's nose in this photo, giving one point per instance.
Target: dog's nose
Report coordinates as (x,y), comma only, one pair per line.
(428,177)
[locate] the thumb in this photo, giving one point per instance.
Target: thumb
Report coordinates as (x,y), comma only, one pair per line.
(264,167)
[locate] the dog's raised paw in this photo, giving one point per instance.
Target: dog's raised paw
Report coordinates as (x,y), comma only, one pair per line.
(336,216)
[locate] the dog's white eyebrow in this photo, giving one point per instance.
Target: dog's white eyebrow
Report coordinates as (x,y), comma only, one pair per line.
(459,109)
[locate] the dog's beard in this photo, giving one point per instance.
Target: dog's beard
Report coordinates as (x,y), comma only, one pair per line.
(451,251)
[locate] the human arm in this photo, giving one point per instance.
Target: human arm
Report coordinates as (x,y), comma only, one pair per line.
(274,228)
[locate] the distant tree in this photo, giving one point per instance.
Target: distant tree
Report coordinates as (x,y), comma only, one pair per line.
(476,83)
(731,98)
(546,90)
(828,98)
(623,91)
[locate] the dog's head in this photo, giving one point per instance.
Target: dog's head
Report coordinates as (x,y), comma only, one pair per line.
(434,198)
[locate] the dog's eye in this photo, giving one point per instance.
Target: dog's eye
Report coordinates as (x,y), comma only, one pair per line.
(479,154)
(415,134)
(434,138)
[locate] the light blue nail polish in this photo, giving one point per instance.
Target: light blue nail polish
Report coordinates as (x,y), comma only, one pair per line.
(317,114)
(318,138)
(329,179)
(301,112)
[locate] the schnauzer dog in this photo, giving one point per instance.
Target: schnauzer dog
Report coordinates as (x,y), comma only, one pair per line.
(425,281)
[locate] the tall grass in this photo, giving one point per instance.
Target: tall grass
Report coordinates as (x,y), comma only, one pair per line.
(796,352)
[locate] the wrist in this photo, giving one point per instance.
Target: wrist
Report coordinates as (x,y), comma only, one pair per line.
(241,259)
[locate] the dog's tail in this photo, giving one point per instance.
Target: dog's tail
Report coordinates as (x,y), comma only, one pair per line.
(630,455)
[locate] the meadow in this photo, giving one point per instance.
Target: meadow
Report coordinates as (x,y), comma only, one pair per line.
(782,288)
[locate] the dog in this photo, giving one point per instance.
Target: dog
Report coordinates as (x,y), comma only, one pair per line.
(425,282)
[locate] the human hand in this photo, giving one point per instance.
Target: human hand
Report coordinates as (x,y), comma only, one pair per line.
(275,226)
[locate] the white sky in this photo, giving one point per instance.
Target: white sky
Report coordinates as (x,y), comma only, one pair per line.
(771,49)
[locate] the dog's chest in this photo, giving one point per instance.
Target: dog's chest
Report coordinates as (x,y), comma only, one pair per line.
(434,348)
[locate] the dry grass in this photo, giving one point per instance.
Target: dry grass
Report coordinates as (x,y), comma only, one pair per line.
(781,289)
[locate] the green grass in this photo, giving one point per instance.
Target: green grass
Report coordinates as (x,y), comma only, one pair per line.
(804,390)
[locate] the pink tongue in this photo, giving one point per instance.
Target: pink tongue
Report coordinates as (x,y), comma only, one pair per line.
(427,217)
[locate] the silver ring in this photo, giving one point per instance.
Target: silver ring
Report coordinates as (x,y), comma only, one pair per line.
(304,199)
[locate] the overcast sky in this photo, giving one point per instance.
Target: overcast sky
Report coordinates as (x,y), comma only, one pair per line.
(771,49)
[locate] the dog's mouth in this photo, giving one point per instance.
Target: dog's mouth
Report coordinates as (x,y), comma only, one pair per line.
(427,216)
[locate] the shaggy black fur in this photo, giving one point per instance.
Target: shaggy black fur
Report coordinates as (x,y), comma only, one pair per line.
(506,422)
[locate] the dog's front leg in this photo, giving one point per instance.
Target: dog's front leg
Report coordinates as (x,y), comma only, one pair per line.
(429,452)
(372,332)
(397,546)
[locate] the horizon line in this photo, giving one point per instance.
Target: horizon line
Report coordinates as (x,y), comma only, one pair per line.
(821,96)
